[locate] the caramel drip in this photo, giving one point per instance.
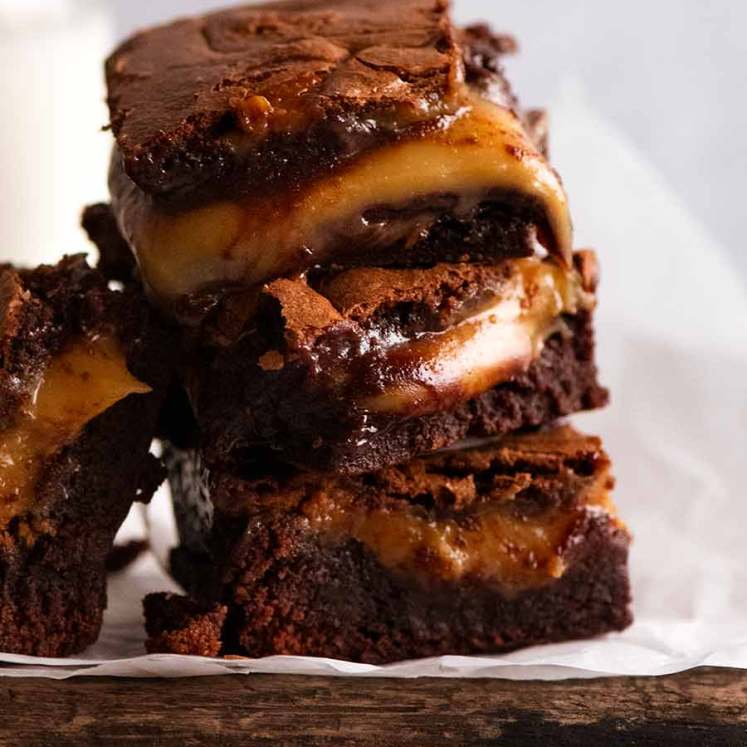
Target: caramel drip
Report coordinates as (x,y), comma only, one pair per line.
(78,385)
(479,154)
(496,545)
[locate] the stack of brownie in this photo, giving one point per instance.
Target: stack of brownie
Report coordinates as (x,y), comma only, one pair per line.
(363,264)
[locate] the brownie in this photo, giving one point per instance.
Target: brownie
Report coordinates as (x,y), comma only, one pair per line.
(478,550)
(81,386)
(262,141)
(179,625)
(340,76)
(355,370)
(291,368)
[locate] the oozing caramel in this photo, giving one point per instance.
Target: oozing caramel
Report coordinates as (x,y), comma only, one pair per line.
(437,370)
(480,153)
(496,544)
(79,384)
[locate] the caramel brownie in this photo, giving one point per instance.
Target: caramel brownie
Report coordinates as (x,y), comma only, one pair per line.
(354,370)
(81,382)
(262,141)
(484,549)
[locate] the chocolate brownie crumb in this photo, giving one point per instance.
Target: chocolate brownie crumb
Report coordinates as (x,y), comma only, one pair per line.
(179,625)
(360,568)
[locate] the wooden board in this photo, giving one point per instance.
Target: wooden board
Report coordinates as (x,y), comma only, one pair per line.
(702,707)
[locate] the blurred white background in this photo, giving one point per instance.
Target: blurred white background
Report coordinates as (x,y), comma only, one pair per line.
(672,74)
(52,150)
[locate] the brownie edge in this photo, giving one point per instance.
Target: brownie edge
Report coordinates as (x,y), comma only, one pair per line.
(593,599)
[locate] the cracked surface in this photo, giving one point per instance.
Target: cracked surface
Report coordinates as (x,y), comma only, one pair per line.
(191,99)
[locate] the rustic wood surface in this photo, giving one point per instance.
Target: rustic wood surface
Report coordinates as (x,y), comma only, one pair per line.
(702,707)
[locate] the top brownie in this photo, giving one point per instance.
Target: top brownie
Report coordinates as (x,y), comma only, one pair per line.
(260,142)
(301,83)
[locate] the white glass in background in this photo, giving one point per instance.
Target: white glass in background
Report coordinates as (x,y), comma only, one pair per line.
(53,153)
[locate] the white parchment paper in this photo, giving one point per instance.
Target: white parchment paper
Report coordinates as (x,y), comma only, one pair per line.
(673,348)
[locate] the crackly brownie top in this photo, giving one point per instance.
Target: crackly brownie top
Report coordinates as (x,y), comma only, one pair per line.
(531,471)
(510,512)
(413,300)
(297,312)
(186,96)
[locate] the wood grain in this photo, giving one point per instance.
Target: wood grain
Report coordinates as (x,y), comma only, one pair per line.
(703,707)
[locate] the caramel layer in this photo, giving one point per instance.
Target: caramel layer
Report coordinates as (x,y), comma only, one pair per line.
(435,371)
(481,153)
(78,385)
(495,544)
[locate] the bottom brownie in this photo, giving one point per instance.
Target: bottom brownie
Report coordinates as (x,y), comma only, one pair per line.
(480,550)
